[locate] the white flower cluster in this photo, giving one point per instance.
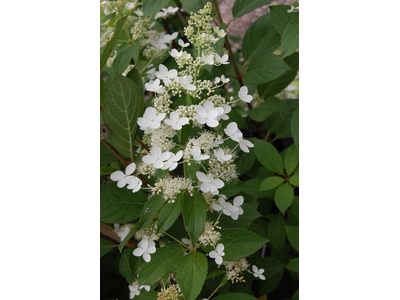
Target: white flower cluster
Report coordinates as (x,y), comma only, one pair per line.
(234,269)
(210,236)
(146,246)
(170,187)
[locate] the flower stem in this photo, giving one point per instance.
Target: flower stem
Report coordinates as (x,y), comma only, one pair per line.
(176,239)
(215,291)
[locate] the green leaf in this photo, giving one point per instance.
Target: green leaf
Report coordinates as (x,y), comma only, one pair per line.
(260,38)
(191,274)
(234,296)
(127,265)
(244,221)
(119,205)
(268,156)
(284,197)
(152,6)
(277,85)
(291,159)
(240,243)
(102,91)
(169,213)
(290,38)
(294,126)
(270,265)
(293,236)
(242,7)
(265,68)
(295,295)
(134,75)
(277,231)
(106,246)
(122,106)
(293,265)
(128,237)
(106,157)
(163,262)
(105,170)
(195,5)
(294,180)
(266,108)
(194,215)
(111,43)
(215,273)
(152,206)
(184,133)
(280,17)
(232,188)
(245,161)
(271,183)
(147,296)
(270,284)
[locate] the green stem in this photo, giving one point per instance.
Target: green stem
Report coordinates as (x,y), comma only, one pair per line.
(144,69)
(214,291)
(176,239)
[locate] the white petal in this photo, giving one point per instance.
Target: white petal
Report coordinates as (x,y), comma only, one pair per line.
(212,123)
(205,187)
(149,159)
(143,122)
(238,200)
(146,257)
(151,249)
(216,207)
(138,252)
(244,148)
(262,277)
(220,248)
(122,182)
(200,119)
(130,169)
(158,164)
(255,269)
(183,121)
(218,183)
(234,215)
(201,176)
(218,260)
(117,175)
(213,254)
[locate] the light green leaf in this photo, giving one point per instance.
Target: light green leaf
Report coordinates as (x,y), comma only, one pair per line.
(265,68)
(151,207)
(242,7)
(266,108)
(191,274)
(234,296)
(277,231)
(111,43)
(268,156)
(127,265)
(290,38)
(294,126)
(163,262)
(280,17)
(293,265)
(194,215)
(152,6)
(260,38)
(169,213)
(119,205)
(275,86)
(271,183)
(291,159)
(284,197)
(293,236)
(270,265)
(123,104)
(106,246)
(294,180)
(240,243)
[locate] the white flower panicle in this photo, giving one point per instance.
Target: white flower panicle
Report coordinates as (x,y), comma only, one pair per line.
(235,269)
(210,236)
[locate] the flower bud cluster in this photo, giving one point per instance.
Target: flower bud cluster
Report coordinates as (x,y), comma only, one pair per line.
(210,236)
(235,269)
(171,292)
(170,187)
(107,36)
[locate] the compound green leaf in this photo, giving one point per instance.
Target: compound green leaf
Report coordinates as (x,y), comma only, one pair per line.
(242,7)
(293,265)
(152,6)
(191,274)
(284,197)
(123,104)
(169,213)
(265,68)
(271,183)
(291,159)
(268,156)
(290,38)
(194,215)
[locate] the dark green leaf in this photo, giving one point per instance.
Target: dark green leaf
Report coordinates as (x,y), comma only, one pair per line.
(234,296)
(169,213)
(240,243)
(127,265)
(215,273)
(152,6)
(294,126)
(290,38)
(270,265)
(260,38)
(147,296)
(122,106)
(184,133)
(280,17)
(134,75)
(252,187)
(268,156)
(294,180)
(277,85)
(163,262)
(295,295)
(291,159)
(119,205)
(106,246)
(152,206)
(105,170)
(266,108)
(293,236)
(284,197)
(265,68)
(191,274)
(232,188)
(277,231)
(293,265)
(245,161)
(270,284)
(194,215)
(124,58)
(111,43)
(128,237)
(242,7)
(271,183)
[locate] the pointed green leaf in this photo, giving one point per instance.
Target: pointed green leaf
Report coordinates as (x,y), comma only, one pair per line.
(169,213)
(265,68)
(245,161)
(268,156)
(294,180)
(234,296)
(284,197)
(127,265)
(266,108)
(277,231)
(270,284)
(134,75)
(280,17)
(119,205)
(194,215)
(163,262)
(290,38)
(106,246)
(291,159)
(293,265)
(260,38)
(123,104)
(294,126)
(242,7)
(152,6)
(271,183)
(240,243)
(151,207)
(293,236)
(191,274)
